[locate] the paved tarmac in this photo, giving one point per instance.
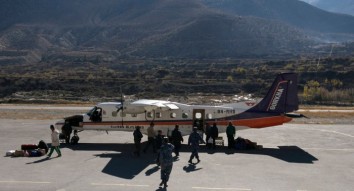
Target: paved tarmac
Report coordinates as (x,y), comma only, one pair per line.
(295,157)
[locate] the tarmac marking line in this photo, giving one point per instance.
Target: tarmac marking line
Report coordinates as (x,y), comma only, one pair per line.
(209,188)
(112,184)
(330,131)
(25,182)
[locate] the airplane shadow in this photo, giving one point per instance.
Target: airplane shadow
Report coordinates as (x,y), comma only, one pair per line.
(291,154)
(125,165)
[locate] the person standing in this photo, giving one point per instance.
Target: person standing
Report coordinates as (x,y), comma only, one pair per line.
(166,161)
(151,138)
(214,133)
(207,132)
(177,139)
(159,141)
(137,140)
(55,142)
(193,140)
(230,132)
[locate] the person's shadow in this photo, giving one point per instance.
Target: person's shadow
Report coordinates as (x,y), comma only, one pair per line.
(152,170)
(40,160)
(191,168)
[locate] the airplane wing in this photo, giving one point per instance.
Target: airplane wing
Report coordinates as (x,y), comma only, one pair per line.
(143,105)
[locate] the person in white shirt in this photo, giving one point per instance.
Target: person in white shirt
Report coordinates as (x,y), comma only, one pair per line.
(55,142)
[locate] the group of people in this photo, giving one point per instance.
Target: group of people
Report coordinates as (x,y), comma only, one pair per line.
(164,147)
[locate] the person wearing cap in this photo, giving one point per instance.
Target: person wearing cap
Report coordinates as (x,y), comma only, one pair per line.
(166,161)
(55,142)
(193,140)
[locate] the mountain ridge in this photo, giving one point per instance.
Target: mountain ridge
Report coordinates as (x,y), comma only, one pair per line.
(152,28)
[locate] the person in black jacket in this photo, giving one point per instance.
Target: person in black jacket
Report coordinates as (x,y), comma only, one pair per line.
(177,139)
(137,140)
(214,133)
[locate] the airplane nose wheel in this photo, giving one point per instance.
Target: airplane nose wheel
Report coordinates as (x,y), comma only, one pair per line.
(75,139)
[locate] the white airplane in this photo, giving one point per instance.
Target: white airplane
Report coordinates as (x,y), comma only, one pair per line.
(274,109)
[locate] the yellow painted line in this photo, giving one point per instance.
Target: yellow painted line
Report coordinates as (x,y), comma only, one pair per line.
(24,182)
(127,185)
(208,188)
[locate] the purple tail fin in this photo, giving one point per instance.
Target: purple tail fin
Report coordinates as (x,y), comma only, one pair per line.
(282,96)
(280,99)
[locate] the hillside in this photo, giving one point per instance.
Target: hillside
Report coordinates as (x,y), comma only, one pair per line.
(159,28)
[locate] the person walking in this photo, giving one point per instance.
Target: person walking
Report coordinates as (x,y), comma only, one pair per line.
(214,133)
(193,140)
(177,139)
(151,138)
(137,140)
(55,142)
(230,132)
(166,161)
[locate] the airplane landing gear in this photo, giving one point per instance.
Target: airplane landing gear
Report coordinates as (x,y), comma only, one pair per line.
(75,139)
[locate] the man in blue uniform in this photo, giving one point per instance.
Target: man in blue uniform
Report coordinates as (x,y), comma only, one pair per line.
(166,161)
(193,140)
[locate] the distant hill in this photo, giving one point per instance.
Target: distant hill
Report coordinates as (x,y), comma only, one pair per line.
(293,12)
(166,28)
(342,6)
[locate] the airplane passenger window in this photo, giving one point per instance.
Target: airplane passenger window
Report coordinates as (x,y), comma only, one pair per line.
(173,115)
(114,113)
(150,114)
(158,114)
(184,115)
(198,115)
(209,116)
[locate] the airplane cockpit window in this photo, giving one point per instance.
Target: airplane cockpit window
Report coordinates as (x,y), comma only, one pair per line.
(95,114)
(89,113)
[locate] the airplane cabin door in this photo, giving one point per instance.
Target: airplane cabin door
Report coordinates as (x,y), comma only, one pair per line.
(199,119)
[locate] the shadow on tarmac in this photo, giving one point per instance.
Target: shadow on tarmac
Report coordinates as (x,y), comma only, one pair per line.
(124,164)
(291,154)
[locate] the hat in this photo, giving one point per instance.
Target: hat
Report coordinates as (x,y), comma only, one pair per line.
(165,139)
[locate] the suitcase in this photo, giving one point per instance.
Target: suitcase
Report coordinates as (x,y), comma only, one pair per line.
(29,146)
